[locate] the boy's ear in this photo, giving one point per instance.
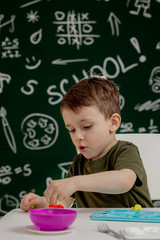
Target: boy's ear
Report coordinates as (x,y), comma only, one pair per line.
(115,121)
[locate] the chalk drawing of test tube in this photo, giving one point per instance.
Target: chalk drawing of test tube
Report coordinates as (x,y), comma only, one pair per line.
(7,130)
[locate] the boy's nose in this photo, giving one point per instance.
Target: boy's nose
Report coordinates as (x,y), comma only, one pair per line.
(79,135)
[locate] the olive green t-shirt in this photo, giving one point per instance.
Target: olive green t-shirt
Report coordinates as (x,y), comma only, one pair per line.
(122,155)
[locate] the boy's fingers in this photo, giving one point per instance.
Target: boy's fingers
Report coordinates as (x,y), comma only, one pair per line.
(60,197)
(53,198)
(48,194)
(47,197)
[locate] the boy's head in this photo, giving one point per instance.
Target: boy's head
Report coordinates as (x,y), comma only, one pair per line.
(91,113)
(93,91)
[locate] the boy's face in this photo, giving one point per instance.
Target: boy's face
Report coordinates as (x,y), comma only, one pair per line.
(89,131)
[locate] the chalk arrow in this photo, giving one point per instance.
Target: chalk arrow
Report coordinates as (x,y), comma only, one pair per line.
(114,22)
(65,62)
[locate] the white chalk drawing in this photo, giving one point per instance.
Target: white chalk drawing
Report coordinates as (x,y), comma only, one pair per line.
(24,192)
(118,65)
(9,22)
(154,79)
(158,46)
(148,106)
(142,5)
(74,29)
(33,63)
(30,87)
(8,202)
(65,62)
(114,23)
(151,128)
(122,101)
(7,171)
(7,130)
(126,127)
(135,43)
(103,0)
(26,170)
(64,81)
(4,78)
(51,92)
(40,131)
(32,16)
(29,3)
(5,180)
(127,3)
(48,181)
(36,37)
(10,48)
(64,167)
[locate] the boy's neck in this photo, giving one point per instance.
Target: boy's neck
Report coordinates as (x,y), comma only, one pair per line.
(107,150)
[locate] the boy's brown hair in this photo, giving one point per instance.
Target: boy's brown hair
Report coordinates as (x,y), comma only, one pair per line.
(93,91)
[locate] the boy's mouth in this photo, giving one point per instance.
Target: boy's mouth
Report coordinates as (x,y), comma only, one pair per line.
(82,148)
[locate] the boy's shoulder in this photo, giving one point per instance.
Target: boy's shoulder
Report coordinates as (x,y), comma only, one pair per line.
(125,144)
(124,147)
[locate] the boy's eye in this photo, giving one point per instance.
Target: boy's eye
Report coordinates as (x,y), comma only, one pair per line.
(72,130)
(88,126)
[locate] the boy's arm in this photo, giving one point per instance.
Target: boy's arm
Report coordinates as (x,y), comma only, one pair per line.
(109,182)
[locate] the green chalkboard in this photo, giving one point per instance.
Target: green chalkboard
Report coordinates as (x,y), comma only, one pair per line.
(46,46)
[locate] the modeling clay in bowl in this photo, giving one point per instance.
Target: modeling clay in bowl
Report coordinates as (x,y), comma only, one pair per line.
(56,206)
(52,219)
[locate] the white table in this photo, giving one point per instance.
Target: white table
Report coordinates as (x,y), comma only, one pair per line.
(12,227)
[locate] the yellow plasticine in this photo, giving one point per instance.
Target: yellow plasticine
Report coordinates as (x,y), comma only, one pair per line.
(137,207)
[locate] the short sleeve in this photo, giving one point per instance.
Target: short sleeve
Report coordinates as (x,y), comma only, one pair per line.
(129,157)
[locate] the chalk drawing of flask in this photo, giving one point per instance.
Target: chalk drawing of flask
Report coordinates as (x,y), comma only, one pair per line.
(7,130)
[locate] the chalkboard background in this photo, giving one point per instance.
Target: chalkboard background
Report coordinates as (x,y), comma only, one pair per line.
(46,46)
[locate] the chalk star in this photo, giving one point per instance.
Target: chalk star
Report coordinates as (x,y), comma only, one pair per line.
(32,16)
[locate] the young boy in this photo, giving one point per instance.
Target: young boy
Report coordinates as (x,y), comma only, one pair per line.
(106,172)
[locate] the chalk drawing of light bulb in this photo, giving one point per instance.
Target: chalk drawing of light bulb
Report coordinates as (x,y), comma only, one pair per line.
(154,79)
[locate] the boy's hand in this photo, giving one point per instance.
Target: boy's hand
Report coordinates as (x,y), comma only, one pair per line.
(30,201)
(58,190)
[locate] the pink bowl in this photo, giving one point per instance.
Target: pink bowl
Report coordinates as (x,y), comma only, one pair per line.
(52,219)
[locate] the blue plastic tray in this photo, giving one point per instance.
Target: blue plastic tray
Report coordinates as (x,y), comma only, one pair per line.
(127,216)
